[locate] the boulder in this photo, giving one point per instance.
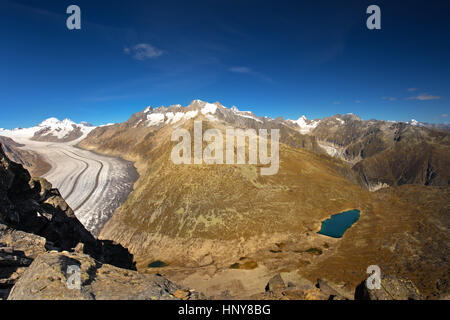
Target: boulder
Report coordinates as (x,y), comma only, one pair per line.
(334,291)
(275,284)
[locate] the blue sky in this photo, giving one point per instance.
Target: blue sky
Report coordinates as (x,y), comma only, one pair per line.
(276,58)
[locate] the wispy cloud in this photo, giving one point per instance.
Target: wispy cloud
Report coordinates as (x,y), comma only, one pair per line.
(424,97)
(412,89)
(389,98)
(336,102)
(249,71)
(143,51)
(444,115)
(357,101)
(241,70)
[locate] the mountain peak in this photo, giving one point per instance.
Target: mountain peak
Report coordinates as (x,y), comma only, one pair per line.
(305,125)
(52,122)
(49,122)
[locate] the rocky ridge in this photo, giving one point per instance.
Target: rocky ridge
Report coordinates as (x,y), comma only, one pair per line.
(32,161)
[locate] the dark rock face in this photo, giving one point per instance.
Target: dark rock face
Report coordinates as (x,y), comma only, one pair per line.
(17,251)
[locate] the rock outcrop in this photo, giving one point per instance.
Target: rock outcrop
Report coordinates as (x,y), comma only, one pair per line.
(391,288)
(48,277)
(18,249)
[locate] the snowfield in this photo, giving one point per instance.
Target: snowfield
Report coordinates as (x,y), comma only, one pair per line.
(49,128)
(93,185)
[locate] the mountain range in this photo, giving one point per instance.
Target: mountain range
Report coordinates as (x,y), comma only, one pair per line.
(226,231)
(200,220)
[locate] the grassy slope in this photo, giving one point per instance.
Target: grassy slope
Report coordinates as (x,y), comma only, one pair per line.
(179,214)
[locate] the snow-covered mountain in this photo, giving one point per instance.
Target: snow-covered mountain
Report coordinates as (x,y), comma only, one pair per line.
(177,114)
(51,130)
(438,126)
(414,122)
(305,125)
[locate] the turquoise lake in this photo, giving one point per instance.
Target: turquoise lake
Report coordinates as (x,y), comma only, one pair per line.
(339,223)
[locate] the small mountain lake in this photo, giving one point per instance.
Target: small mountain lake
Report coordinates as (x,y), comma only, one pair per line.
(338,223)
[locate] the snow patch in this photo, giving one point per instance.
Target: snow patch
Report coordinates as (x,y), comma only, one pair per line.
(244,114)
(155,119)
(190,114)
(209,108)
(415,123)
(177,117)
(377,186)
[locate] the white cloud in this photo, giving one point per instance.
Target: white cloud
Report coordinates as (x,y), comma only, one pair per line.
(143,51)
(392,99)
(444,115)
(412,89)
(424,96)
(358,101)
(336,102)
